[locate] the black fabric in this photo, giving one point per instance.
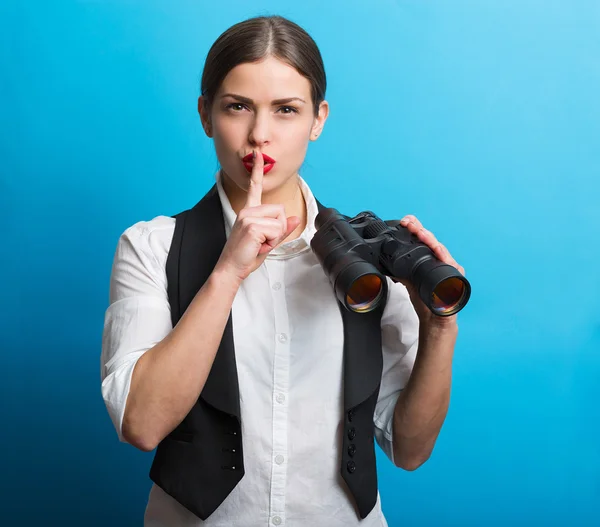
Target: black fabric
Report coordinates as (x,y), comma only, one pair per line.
(201,461)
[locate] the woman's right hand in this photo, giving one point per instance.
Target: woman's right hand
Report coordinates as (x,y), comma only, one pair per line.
(257,230)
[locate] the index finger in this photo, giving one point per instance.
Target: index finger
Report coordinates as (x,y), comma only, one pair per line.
(256,179)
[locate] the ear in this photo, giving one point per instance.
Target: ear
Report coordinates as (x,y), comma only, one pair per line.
(205,115)
(319,121)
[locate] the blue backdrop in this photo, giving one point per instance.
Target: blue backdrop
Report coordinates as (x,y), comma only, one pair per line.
(485,121)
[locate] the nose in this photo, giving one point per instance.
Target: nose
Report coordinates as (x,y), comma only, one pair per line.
(260,130)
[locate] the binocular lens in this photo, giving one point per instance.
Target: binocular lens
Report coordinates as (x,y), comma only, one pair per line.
(448,295)
(364,293)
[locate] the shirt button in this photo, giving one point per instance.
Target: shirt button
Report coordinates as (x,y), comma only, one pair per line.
(280,398)
(279,459)
(276,520)
(282,338)
(277,286)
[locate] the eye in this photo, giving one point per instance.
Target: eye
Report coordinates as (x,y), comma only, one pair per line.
(290,108)
(235,106)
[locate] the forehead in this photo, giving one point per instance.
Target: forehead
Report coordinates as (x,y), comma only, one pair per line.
(266,80)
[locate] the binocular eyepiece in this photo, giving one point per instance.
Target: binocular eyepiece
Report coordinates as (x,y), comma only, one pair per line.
(357,254)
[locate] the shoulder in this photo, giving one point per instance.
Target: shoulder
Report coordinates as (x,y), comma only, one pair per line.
(150,238)
(140,258)
(155,232)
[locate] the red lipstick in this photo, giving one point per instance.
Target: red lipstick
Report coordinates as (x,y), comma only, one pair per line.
(269,163)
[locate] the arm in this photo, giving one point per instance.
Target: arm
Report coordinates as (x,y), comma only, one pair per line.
(168,378)
(152,373)
(422,405)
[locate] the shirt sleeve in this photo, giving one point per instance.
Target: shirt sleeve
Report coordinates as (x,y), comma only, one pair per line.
(138,315)
(400,336)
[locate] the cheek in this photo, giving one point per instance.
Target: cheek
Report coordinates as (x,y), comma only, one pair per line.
(227,134)
(229,140)
(294,142)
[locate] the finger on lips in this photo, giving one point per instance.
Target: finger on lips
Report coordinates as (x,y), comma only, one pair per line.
(256,179)
(270,217)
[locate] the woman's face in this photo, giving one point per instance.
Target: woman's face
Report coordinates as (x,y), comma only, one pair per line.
(264,106)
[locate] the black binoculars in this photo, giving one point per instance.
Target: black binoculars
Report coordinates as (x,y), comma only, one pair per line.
(357,252)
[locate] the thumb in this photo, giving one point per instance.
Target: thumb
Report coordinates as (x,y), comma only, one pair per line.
(292,223)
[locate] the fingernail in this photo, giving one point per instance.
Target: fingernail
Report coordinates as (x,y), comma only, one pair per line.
(403,221)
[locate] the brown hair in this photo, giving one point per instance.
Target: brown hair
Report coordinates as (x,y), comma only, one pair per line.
(256,39)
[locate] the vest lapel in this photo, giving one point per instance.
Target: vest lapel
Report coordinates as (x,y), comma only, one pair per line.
(363,365)
(363,361)
(203,239)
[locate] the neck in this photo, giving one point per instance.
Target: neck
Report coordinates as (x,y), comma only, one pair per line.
(288,194)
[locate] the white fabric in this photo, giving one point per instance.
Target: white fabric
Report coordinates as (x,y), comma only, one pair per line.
(288,337)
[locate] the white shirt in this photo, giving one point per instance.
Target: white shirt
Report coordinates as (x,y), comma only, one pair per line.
(288,337)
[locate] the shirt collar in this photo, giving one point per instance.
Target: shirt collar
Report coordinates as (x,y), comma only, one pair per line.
(290,248)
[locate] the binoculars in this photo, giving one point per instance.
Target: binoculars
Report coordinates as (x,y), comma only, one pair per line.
(356,254)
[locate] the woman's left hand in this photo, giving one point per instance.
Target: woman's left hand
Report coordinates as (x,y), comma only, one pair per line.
(426,317)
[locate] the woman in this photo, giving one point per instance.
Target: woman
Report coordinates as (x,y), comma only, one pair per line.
(281,415)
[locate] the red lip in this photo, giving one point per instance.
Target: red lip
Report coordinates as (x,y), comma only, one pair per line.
(266,169)
(268,160)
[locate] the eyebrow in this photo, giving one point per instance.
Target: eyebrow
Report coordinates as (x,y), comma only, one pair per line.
(250,101)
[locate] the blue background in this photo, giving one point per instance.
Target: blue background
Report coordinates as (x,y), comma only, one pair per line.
(480,117)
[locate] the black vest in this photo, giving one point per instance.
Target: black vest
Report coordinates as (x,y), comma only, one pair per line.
(201,461)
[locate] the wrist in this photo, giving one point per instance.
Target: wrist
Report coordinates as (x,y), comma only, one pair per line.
(222,279)
(438,327)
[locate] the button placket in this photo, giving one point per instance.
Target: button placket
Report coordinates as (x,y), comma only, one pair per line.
(275,269)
